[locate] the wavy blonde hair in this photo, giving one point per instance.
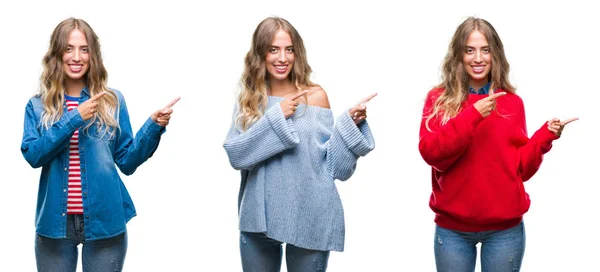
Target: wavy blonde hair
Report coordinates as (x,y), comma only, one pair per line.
(52,89)
(455,80)
(253,97)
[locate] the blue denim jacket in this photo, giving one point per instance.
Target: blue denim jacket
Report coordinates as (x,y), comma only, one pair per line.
(107,205)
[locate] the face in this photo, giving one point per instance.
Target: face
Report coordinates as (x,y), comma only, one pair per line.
(477,59)
(76,59)
(280,58)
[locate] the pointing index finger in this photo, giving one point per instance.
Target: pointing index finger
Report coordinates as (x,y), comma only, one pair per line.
(368,98)
(298,95)
(570,120)
(172,103)
(95,97)
(496,95)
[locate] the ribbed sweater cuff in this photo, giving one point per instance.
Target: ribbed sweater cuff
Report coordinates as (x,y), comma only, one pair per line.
(359,138)
(545,137)
(472,116)
(283,128)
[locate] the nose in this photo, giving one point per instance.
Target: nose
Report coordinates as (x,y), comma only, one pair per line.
(76,56)
(282,57)
(478,57)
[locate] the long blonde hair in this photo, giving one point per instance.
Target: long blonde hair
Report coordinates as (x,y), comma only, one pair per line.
(253,97)
(455,80)
(52,89)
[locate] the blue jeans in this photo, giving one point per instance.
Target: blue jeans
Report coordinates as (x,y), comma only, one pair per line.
(263,254)
(501,250)
(60,255)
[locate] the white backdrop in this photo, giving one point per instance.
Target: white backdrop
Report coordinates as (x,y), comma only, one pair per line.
(186,194)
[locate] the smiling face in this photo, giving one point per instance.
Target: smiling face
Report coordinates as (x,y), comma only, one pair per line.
(280,58)
(76,58)
(477,59)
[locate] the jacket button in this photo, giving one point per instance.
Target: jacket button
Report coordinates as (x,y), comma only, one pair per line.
(63,214)
(65,169)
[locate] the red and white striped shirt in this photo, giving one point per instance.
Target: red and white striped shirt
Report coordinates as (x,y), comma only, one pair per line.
(74,201)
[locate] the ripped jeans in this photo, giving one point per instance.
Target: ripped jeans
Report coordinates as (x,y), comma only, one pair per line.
(60,255)
(501,250)
(263,254)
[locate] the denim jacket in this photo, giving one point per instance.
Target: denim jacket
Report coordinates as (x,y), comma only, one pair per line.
(107,205)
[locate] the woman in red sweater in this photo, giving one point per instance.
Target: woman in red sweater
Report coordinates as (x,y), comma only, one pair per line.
(474,136)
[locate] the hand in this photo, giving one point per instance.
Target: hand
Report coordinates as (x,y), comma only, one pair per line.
(289,105)
(359,111)
(87,109)
(487,105)
(556,126)
(162,116)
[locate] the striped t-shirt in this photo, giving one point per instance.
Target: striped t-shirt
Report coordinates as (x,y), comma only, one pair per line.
(74,202)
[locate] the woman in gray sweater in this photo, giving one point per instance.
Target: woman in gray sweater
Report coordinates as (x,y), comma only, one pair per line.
(284,141)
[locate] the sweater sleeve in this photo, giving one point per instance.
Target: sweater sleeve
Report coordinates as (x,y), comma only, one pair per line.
(531,153)
(441,146)
(347,143)
(39,148)
(270,135)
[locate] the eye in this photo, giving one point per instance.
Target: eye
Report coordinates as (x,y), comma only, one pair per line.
(470,51)
(290,50)
(84,49)
(69,50)
(486,50)
(274,50)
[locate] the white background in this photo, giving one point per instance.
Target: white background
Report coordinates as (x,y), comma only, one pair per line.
(186,194)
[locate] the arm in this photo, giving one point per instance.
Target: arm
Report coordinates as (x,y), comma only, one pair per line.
(348,142)
(443,145)
(270,135)
(40,148)
(530,154)
(130,152)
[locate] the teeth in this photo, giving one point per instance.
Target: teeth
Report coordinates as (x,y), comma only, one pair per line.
(76,66)
(280,67)
(478,68)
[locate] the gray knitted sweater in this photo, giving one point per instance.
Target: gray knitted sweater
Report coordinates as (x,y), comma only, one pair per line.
(288,168)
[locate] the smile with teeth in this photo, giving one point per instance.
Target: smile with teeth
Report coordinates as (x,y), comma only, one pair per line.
(281,68)
(478,69)
(75,67)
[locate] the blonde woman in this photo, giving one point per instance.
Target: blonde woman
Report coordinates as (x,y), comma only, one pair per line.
(473,135)
(78,131)
(284,141)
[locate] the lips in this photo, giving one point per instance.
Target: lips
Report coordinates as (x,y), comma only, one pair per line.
(281,69)
(75,68)
(478,68)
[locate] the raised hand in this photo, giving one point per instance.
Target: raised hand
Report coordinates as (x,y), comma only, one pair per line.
(359,111)
(289,105)
(487,105)
(87,109)
(556,126)
(162,116)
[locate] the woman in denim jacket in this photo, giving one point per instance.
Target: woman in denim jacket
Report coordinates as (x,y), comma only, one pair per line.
(77,130)
(284,141)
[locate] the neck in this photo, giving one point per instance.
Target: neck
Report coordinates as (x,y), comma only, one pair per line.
(74,87)
(281,87)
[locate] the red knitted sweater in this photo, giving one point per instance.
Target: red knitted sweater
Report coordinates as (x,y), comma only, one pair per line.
(479,164)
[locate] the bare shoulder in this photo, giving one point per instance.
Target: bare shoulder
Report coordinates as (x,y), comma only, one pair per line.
(317,97)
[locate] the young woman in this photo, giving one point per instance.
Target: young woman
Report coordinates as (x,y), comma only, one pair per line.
(474,136)
(284,141)
(77,130)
